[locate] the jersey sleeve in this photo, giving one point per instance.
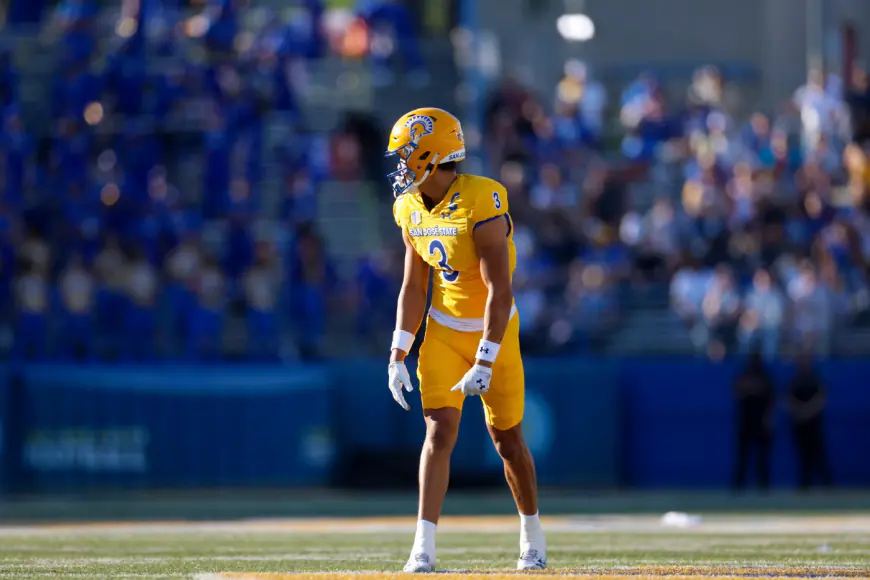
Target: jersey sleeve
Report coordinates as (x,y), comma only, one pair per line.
(490,203)
(397,213)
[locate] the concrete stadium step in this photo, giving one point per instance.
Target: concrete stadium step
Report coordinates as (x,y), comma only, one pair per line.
(34,58)
(395,100)
(654,331)
(338,82)
(348,220)
(333,86)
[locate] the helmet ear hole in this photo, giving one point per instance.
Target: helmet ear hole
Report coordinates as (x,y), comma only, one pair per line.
(425,155)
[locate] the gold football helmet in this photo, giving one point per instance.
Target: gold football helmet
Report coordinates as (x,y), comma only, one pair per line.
(423,139)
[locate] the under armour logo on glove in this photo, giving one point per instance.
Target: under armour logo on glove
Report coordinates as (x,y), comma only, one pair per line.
(475,382)
(484,350)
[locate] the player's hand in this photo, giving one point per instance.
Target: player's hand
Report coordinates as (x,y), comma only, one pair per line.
(399,378)
(475,382)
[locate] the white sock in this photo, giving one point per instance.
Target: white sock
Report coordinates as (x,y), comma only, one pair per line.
(531,533)
(424,539)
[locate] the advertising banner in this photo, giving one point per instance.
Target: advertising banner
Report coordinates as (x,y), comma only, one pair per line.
(175,427)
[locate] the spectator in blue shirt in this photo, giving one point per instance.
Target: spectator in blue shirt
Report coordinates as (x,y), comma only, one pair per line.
(125,77)
(755,136)
(32,305)
(205,320)
(588,98)
(140,154)
(781,155)
(393,30)
(283,91)
(110,267)
(223,25)
(544,143)
(75,19)
(8,80)
(81,221)
(16,161)
(721,310)
(171,87)
(70,152)
(261,287)
(590,302)
(216,169)
(73,88)
(7,268)
(530,279)
(240,203)
(764,311)
(238,248)
(76,289)
(551,192)
(140,320)
(300,197)
(301,37)
(182,267)
(607,252)
(312,282)
(378,279)
(639,91)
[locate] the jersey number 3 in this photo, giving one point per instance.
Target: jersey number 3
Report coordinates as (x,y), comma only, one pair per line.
(448,273)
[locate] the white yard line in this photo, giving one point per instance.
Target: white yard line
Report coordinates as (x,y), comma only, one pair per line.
(91,576)
(80,562)
(787,525)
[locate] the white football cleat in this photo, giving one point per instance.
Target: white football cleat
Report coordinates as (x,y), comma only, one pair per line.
(532,559)
(419,564)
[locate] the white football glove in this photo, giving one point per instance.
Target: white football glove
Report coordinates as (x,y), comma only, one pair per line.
(475,382)
(400,378)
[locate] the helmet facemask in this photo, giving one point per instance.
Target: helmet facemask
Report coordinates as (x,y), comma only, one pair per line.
(404,179)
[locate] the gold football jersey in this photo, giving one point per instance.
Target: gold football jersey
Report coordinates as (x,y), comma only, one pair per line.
(443,238)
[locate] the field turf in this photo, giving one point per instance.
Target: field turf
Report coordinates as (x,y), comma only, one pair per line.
(626,546)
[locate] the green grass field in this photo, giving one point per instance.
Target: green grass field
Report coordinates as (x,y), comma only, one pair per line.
(768,546)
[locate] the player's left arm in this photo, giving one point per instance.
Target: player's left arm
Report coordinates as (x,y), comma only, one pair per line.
(490,234)
(490,240)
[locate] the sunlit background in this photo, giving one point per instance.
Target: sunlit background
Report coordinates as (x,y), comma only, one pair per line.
(199,266)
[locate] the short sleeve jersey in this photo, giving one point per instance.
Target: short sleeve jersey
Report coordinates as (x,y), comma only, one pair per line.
(443,237)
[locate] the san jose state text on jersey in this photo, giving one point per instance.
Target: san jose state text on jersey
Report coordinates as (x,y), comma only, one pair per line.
(433,231)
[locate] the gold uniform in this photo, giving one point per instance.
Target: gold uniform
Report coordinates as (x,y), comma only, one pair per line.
(443,238)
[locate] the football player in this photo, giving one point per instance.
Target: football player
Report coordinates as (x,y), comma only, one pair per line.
(459,226)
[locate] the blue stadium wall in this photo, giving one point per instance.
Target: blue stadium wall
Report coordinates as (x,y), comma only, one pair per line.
(657,423)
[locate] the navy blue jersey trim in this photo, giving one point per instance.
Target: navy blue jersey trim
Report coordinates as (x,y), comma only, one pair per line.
(495,217)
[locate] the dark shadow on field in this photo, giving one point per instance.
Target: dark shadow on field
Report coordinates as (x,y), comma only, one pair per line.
(230,504)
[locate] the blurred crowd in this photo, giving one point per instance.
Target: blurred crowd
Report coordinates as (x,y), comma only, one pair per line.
(135,224)
(133,219)
(756,232)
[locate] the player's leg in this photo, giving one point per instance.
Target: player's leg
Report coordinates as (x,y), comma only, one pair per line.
(442,428)
(504,406)
(519,467)
(440,367)
(519,471)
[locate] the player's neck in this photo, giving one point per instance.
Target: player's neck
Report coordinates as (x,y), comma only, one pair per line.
(435,192)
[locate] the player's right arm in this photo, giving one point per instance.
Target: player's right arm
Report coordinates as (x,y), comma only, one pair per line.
(409,316)
(412,297)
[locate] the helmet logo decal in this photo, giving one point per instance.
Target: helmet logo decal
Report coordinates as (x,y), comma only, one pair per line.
(418,126)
